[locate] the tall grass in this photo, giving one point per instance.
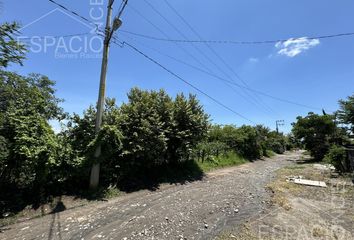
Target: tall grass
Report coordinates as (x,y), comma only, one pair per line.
(269,153)
(229,159)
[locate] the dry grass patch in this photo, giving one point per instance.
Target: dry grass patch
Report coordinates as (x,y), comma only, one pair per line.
(244,233)
(281,188)
(319,232)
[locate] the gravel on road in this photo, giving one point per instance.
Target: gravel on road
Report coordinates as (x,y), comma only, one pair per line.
(195,210)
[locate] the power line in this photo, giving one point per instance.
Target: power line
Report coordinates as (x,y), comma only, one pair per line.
(236,84)
(165,34)
(255,97)
(183,80)
(121,8)
(177,30)
(74,13)
(237,42)
(57,36)
(182,34)
(202,53)
(230,84)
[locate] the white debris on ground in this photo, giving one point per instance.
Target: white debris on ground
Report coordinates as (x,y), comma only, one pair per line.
(302,181)
(324,167)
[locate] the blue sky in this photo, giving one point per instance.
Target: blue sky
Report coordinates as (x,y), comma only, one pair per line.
(311,72)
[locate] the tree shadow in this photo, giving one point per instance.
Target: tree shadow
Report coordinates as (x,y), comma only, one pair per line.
(131,180)
(307,161)
(12,201)
(151,179)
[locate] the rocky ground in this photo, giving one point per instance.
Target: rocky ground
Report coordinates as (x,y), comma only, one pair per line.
(224,200)
(303,212)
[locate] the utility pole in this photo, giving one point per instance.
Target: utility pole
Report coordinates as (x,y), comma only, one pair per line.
(109,30)
(279,123)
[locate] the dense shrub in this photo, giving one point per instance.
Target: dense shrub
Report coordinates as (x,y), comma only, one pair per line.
(346,113)
(247,143)
(147,121)
(277,147)
(316,132)
(190,126)
(83,142)
(27,103)
(29,147)
(158,129)
(337,156)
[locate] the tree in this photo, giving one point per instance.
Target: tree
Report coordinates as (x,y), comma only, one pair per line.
(246,140)
(337,156)
(276,142)
(28,142)
(263,138)
(248,144)
(10,49)
(227,134)
(346,112)
(33,93)
(32,146)
(83,142)
(190,125)
(316,132)
(146,121)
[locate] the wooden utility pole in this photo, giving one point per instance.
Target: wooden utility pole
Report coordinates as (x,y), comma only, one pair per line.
(109,30)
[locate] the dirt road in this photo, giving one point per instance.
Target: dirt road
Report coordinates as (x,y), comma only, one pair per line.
(197,210)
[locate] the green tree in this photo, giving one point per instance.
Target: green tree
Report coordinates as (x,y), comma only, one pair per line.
(26,104)
(316,132)
(83,141)
(227,134)
(248,144)
(263,138)
(32,146)
(276,142)
(337,156)
(246,140)
(346,112)
(145,132)
(11,50)
(34,93)
(190,125)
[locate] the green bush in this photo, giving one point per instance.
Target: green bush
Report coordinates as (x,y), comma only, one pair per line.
(316,132)
(248,144)
(83,141)
(29,146)
(345,113)
(277,147)
(27,104)
(337,156)
(158,129)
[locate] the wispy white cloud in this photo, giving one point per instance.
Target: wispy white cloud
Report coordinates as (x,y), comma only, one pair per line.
(253,60)
(294,46)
